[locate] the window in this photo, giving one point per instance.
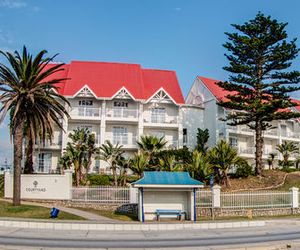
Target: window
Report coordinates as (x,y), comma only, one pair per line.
(120,135)
(88,127)
(158,134)
(184,133)
(158,115)
(120,104)
(85,103)
(44,162)
(97,166)
(233,141)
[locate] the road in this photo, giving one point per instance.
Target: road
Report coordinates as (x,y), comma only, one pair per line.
(284,231)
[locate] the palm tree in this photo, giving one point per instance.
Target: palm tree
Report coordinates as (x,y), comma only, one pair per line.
(223,157)
(111,154)
(139,163)
(152,145)
(286,149)
(32,100)
(167,162)
(200,167)
(79,153)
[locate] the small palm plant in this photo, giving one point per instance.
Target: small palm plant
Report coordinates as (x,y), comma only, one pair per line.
(139,163)
(152,145)
(200,167)
(32,100)
(223,157)
(112,155)
(286,149)
(167,162)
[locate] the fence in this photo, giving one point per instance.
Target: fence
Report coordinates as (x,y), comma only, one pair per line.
(105,194)
(204,198)
(260,199)
(248,199)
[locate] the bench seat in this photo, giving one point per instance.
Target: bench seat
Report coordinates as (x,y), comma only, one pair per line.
(179,213)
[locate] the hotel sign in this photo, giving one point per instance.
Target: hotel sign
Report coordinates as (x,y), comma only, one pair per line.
(35,188)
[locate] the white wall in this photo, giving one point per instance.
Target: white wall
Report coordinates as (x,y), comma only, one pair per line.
(158,199)
(192,119)
(41,186)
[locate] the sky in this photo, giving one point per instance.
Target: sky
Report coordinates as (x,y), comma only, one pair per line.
(181,35)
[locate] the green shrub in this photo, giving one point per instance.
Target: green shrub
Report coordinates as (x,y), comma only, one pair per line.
(243,170)
(98,180)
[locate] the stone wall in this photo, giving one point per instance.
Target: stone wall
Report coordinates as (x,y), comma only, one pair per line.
(128,209)
(215,213)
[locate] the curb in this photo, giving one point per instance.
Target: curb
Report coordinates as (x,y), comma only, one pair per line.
(127,227)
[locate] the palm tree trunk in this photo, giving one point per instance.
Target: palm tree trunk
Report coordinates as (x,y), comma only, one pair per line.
(28,167)
(17,141)
(259,149)
(115,175)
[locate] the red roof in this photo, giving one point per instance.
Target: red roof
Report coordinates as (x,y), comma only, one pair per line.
(106,79)
(220,93)
(216,90)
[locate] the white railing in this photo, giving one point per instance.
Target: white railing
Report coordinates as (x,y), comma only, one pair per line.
(172,144)
(257,199)
(204,198)
(85,112)
(122,139)
(248,150)
(290,134)
(122,113)
(243,200)
(101,194)
(272,132)
(164,119)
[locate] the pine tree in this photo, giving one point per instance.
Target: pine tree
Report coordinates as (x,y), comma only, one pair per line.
(260,82)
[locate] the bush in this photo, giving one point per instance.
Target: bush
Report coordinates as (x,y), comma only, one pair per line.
(243,170)
(98,180)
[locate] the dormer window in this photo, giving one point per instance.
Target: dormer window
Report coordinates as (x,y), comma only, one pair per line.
(120,104)
(85,103)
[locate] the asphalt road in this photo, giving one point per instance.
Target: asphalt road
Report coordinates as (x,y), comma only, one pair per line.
(275,231)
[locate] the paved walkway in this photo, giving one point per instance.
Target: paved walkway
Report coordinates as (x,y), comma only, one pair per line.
(83,214)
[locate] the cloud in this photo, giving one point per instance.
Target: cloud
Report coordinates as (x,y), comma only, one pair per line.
(177,9)
(12,4)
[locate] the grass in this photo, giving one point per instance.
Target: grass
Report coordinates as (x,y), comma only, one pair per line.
(33,212)
(110,214)
(1,185)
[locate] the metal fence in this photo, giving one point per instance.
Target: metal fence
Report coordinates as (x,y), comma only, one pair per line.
(102,194)
(204,198)
(249,199)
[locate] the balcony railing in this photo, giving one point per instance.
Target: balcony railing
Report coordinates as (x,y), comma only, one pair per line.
(122,139)
(162,119)
(122,113)
(85,112)
(172,144)
(290,134)
(54,143)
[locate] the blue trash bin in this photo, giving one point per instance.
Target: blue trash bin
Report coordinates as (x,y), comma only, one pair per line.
(54,213)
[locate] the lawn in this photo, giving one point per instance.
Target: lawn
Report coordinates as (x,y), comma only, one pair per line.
(33,212)
(1,185)
(110,214)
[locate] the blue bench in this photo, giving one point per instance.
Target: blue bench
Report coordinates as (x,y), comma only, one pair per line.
(179,213)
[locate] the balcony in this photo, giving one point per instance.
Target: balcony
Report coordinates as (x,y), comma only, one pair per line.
(290,135)
(55,144)
(85,112)
(172,144)
(161,121)
(128,141)
(122,114)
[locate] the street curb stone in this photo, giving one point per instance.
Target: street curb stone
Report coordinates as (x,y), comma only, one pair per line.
(127,227)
